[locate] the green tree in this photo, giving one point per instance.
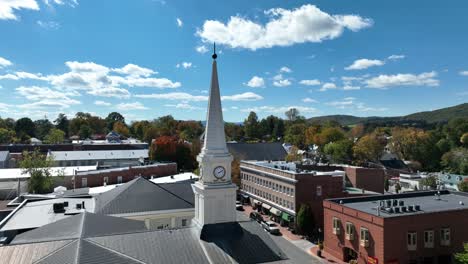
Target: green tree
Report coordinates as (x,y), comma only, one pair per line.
(462,257)
(6,136)
(386,184)
(293,155)
(456,161)
(397,187)
(305,220)
(368,148)
(85,131)
(62,123)
(463,186)
(121,128)
(292,114)
(42,126)
(55,136)
(295,134)
(138,129)
(233,131)
(112,118)
(340,151)
(251,127)
(455,129)
(24,128)
(39,168)
(430,181)
(166,125)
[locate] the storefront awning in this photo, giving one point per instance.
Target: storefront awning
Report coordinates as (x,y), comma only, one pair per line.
(275,211)
(266,206)
(286,217)
(256,201)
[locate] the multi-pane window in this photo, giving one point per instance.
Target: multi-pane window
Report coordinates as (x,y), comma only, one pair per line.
(349,231)
(411,240)
(364,238)
(319,190)
(445,237)
(336,225)
(429,239)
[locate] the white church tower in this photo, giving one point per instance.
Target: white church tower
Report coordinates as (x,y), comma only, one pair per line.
(215,194)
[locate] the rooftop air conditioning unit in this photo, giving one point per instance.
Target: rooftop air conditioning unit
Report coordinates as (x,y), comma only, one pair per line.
(58,208)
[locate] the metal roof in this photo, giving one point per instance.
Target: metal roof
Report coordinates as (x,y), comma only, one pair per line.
(99,154)
(141,195)
(80,226)
(257,151)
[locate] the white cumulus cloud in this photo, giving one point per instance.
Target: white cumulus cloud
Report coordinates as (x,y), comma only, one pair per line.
(328,86)
(9,7)
(131,106)
(309,100)
(463,73)
(102,103)
(384,81)
(248,96)
(184,65)
(364,64)
(5,63)
(312,82)
(396,57)
(256,82)
(284,28)
(285,69)
(201,49)
(179,22)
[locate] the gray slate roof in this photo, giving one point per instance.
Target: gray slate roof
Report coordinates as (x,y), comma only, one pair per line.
(111,240)
(141,195)
(257,151)
(80,226)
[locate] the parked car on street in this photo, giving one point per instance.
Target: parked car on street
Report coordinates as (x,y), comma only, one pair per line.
(256,216)
(271,227)
(239,206)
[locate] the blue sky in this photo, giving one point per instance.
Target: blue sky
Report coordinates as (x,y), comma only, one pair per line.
(147,58)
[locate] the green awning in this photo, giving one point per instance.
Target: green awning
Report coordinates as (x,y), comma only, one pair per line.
(286,216)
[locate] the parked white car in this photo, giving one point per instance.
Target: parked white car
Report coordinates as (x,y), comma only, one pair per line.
(271,227)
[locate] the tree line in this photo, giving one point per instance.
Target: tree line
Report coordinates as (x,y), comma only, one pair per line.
(442,146)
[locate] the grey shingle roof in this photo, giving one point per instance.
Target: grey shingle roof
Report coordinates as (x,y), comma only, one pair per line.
(257,151)
(80,226)
(29,253)
(66,255)
(141,195)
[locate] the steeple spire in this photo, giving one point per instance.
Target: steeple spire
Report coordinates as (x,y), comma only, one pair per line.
(215,140)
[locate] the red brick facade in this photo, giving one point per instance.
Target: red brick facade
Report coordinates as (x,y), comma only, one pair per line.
(388,235)
(371,179)
(96,178)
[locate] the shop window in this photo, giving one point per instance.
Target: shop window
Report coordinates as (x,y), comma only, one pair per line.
(349,231)
(119,179)
(445,237)
(336,226)
(364,238)
(84,182)
(429,239)
(184,222)
(411,241)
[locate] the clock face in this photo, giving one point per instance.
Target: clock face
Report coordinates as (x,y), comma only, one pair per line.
(219,172)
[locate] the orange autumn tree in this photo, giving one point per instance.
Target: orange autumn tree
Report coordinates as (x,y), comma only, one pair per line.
(170,148)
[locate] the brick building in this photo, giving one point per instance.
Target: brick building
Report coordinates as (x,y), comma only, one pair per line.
(417,227)
(279,188)
(118,175)
(371,179)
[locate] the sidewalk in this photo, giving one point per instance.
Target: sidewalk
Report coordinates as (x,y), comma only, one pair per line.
(326,258)
(295,239)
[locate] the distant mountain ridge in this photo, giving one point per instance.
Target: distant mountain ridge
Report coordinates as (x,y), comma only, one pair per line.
(440,115)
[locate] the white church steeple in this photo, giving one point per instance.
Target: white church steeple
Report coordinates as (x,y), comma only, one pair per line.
(215,194)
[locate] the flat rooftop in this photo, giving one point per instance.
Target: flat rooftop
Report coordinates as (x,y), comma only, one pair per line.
(428,202)
(291,167)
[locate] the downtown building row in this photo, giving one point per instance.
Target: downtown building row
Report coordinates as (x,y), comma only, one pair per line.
(422,227)
(279,188)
